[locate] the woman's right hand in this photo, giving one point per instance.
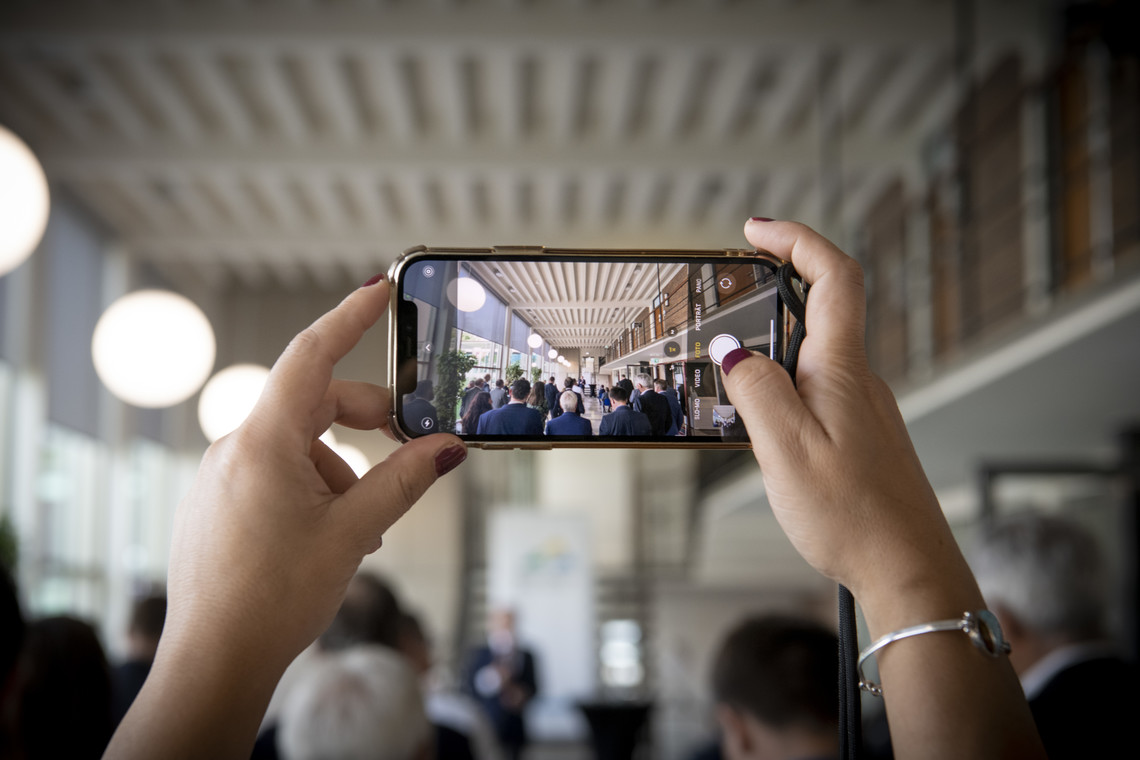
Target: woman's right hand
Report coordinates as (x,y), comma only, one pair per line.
(841,474)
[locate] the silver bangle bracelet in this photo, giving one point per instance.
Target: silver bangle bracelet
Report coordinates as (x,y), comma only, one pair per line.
(981,626)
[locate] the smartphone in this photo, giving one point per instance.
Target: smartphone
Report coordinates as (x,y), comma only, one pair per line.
(641,329)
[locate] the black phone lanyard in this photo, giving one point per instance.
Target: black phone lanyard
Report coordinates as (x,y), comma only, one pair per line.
(850,714)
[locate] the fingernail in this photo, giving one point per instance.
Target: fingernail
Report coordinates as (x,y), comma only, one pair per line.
(732,358)
(374,280)
(762,219)
(450,458)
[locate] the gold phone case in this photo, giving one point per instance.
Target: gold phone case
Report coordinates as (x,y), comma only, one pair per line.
(541,253)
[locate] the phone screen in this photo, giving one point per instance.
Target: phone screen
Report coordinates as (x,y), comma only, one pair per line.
(636,342)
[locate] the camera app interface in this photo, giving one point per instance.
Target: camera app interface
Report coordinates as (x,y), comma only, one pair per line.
(628,348)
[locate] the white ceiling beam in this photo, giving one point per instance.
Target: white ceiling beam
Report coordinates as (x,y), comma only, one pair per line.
(272,85)
(185,196)
(330,89)
(221,98)
(383,73)
(270,186)
(796,90)
(792,151)
(671,88)
(860,82)
(183,122)
(105,92)
(68,113)
(913,78)
(445,78)
(732,93)
(616,92)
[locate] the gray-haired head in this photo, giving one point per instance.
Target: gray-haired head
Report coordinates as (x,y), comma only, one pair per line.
(1046,571)
(361,703)
(645,381)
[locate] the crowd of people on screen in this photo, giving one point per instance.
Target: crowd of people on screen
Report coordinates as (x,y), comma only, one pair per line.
(644,406)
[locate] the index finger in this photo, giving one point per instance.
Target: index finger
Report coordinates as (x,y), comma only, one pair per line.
(301,376)
(836,309)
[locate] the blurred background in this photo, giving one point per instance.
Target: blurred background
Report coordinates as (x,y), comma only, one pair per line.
(261,158)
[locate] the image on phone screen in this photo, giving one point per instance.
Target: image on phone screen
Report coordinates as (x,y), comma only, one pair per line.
(636,342)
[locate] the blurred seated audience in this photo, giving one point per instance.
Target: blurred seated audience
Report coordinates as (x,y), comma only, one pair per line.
(462,730)
(774,681)
(361,703)
(143,632)
(1046,580)
(12,632)
(65,691)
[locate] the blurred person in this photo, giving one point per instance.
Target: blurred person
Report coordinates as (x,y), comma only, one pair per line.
(653,405)
(624,420)
(65,691)
(143,633)
(569,384)
(664,389)
(516,418)
(499,395)
(570,422)
(369,614)
(604,398)
(12,632)
(1046,580)
(275,524)
(552,394)
(774,682)
(537,398)
(361,703)
(419,412)
(462,730)
(480,404)
(501,675)
(470,394)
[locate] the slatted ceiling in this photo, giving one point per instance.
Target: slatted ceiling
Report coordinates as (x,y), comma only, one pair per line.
(247,121)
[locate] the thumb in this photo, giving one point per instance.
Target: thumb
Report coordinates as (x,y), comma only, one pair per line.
(389,489)
(766,399)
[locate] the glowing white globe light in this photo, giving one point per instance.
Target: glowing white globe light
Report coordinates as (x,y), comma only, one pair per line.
(153,348)
(561,359)
(552,354)
(23,201)
(534,341)
(466,294)
(229,397)
(354,458)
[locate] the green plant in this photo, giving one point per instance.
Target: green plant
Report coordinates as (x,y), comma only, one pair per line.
(514,372)
(535,375)
(453,368)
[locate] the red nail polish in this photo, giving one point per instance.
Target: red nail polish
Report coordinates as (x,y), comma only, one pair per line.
(450,458)
(374,280)
(732,358)
(762,219)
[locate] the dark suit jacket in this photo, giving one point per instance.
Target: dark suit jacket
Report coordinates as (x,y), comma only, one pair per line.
(509,725)
(512,419)
(552,394)
(420,416)
(670,395)
(624,421)
(1087,709)
(569,424)
(656,408)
